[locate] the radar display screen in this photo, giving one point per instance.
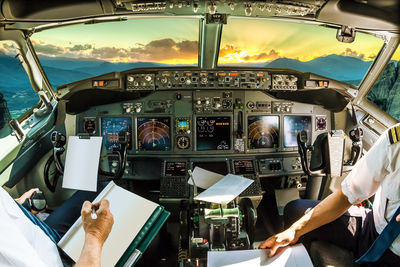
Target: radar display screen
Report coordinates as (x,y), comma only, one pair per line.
(173,168)
(110,127)
(153,134)
(243,167)
(213,133)
(263,132)
(294,124)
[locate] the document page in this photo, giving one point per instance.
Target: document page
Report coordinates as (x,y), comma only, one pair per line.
(82,163)
(293,256)
(203,178)
(130,213)
(225,190)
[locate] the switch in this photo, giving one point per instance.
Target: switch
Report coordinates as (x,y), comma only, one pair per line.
(178,96)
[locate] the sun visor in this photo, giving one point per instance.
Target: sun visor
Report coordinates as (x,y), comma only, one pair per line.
(50,10)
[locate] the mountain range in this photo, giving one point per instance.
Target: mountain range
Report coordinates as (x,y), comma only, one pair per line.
(20,96)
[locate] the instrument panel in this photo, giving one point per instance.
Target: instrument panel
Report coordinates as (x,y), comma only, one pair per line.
(180,120)
(195,122)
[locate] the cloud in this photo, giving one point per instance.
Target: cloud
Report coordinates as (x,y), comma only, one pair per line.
(271,55)
(80,47)
(352,53)
(165,49)
(229,52)
(157,50)
(228,49)
(48,49)
(109,52)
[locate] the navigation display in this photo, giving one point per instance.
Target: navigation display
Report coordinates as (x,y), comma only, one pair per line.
(263,132)
(153,134)
(213,133)
(173,168)
(294,124)
(243,167)
(110,127)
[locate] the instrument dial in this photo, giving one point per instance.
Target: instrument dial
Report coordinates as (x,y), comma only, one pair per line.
(90,125)
(321,123)
(183,142)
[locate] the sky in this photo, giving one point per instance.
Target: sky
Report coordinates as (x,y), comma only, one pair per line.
(175,41)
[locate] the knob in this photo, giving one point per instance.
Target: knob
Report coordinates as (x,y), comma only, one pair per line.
(147,78)
(128,110)
(164,80)
(138,109)
(188,81)
(178,96)
(217,105)
(287,109)
(278,109)
(198,102)
(207,102)
(130,78)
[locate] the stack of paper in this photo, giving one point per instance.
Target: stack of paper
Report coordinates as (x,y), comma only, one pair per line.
(293,256)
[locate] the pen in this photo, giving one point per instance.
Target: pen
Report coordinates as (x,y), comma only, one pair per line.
(94,215)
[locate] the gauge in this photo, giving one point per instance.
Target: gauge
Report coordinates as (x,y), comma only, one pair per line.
(183,142)
(320,123)
(90,125)
(153,134)
(263,132)
(182,126)
(226,103)
(250,105)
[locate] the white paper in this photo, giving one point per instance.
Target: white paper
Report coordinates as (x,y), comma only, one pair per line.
(225,190)
(82,163)
(203,178)
(130,213)
(293,256)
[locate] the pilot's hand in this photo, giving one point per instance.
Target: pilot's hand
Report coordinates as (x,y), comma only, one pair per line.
(282,239)
(26,195)
(100,227)
(398,218)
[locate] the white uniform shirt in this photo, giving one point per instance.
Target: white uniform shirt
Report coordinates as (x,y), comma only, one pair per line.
(22,243)
(378,172)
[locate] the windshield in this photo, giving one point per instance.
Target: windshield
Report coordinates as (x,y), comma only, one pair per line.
(81,51)
(298,46)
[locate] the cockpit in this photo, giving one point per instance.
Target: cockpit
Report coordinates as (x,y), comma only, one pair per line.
(287,94)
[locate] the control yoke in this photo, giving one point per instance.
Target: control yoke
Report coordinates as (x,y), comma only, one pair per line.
(304,148)
(121,152)
(58,140)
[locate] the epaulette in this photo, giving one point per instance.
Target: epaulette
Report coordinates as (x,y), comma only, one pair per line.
(394,134)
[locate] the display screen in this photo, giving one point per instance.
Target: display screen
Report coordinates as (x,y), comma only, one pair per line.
(153,134)
(220,167)
(110,127)
(263,132)
(213,133)
(182,126)
(243,167)
(175,168)
(294,124)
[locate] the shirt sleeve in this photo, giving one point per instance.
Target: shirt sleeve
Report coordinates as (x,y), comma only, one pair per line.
(368,173)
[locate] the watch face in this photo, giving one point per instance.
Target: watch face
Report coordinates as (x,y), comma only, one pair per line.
(38,204)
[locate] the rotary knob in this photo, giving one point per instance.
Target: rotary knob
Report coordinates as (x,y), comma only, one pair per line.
(131,78)
(147,78)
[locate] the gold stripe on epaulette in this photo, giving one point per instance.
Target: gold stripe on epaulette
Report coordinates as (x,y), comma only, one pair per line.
(394,134)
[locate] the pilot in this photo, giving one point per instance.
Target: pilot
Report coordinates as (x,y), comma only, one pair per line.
(372,235)
(27,241)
